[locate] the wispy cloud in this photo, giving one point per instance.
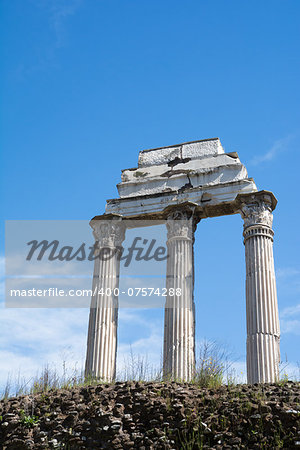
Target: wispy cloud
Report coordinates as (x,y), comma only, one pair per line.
(289,322)
(287,272)
(290,311)
(288,285)
(56,14)
(31,339)
(290,326)
(58,11)
(279,146)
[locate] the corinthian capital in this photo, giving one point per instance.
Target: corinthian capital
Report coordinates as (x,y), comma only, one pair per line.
(256,208)
(109,232)
(255,214)
(181,223)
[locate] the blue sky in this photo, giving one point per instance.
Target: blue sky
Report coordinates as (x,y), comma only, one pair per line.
(87,84)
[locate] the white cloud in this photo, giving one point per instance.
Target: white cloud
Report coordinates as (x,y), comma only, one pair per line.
(31,339)
(58,11)
(290,326)
(287,272)
(290,311)
(279,146)
(288,278)
(14,367)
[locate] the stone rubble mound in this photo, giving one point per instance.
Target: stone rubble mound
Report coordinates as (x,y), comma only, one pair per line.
(154,415)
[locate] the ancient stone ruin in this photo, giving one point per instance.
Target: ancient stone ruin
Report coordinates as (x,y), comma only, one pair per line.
(182,185)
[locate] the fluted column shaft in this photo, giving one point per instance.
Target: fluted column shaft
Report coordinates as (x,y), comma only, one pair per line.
(263,332)
(103,320)
(179,326)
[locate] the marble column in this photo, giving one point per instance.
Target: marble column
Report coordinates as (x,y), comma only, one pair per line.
(179,326)
(263,333)
(103,321)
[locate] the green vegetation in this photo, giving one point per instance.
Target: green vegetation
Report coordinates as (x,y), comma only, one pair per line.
(212,365)
(28,421)
(213,369)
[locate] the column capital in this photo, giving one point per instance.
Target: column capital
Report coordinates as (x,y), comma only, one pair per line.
(256,208)
(182,221)
(108,230)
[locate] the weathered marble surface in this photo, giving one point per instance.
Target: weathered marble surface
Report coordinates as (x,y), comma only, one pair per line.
(263,331)
(193,150)
(103,320)
(198,172)
(179,325)
(192,174)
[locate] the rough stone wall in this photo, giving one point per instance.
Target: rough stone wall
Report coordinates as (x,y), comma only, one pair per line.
(154,416)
